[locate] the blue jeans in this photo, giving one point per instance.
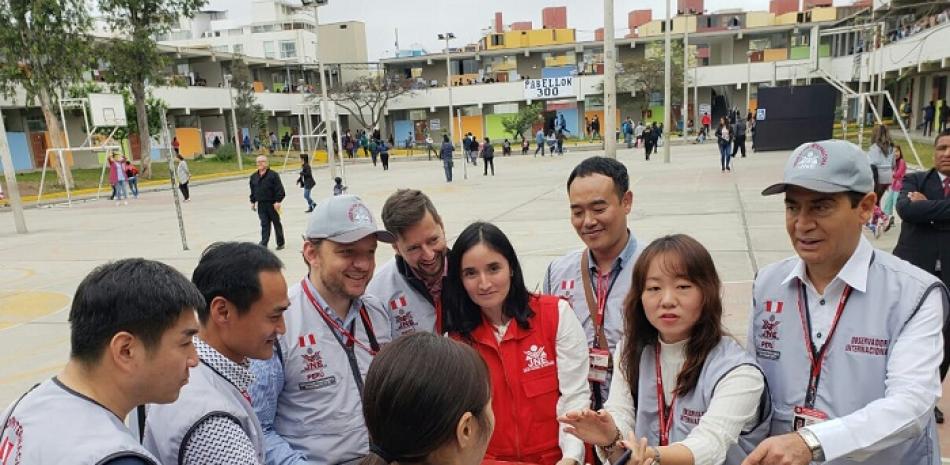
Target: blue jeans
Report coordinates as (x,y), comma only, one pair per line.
(725,155)
(134,186)
(447,165)
(306,195)
(120,193)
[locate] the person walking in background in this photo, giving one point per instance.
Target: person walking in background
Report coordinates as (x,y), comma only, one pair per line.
(539,139)
(176,145)
(273,143)
(525,145)
(881,156)
(267,192)
(657,137)
(305,180)
(648,140)
(706,121)
(246,144)
(560,141)
(893,192)
(338,187)
(740,128)
(118,177)
(944,116)
(595,129)
(374,149)
(724,141)
(506,148)
(184,176)
(488,157)
(384,154)
(929,111)
(429,148)
(132,174)
(445,153)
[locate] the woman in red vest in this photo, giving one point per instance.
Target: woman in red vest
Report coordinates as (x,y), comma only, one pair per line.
(534,346)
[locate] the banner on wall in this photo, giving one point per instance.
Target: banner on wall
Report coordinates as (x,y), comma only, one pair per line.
(549,88)
(435,124)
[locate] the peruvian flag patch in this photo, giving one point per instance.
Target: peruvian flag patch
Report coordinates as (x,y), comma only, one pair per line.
(307,340)
(773,306)
(398,303)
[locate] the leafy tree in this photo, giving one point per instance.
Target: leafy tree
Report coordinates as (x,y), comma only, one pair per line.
(250,114)
(136,60)
(44,48)
(520,123)
(366,97)
(646,75)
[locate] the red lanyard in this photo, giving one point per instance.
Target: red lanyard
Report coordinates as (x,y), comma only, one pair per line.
(438,314)
(602,292)
(817,358)
(350,338)
(666,416)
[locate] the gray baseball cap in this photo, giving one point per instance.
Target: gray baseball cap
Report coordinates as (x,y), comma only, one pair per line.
(828,166)
(344,219)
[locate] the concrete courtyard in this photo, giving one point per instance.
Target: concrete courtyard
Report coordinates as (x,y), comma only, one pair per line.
(526,198)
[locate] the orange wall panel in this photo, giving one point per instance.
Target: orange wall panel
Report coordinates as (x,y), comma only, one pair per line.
(471,124)
(189,140)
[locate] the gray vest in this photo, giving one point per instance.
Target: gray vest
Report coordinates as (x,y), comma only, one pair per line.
(320,410)
(411,311)
(52,425)
(563,279)
(855,366)
(689,409)
(168,427)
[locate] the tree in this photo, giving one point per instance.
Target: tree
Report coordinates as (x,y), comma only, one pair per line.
(136,60)
(517,125)
(646,75)
(44,48)
(250,114)
(366,97)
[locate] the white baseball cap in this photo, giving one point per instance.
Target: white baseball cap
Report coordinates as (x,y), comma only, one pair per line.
(827,166)
(344,219)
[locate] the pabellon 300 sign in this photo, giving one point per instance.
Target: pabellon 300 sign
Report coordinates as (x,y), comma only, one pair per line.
(549,88)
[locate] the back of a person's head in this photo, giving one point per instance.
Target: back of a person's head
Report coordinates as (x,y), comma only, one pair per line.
(141,297)
(417,390)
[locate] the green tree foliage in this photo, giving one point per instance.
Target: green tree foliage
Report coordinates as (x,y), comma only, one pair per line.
(43,49)
(646,75)
(250,114)
(366,97)
(136,60)
(520,123)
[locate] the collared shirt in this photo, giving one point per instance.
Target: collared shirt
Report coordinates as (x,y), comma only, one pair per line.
(351,315)
(435,289)
(854,436)
(624,259)
(218,438)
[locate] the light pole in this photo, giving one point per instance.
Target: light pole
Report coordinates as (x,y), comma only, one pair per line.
(323,85)
(9,174)
(685,108)
(748,81)
(667,84)
(237,138)
(448,79)
(609,135)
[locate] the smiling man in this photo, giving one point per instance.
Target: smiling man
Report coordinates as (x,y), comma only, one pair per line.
(596,278)
(308,395)
(212,421)
(848,336)
(131,326)
(411,283)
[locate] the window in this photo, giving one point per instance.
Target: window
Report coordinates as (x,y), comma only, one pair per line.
(220,48)
(288,49)
(269,49)
(237,49)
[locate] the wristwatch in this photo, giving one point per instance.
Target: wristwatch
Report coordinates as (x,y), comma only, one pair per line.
(811,441)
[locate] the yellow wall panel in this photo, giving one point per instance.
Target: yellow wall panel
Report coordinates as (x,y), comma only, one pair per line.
(824,14)
(775,54)
(190,142)
(471,124)
(759,19)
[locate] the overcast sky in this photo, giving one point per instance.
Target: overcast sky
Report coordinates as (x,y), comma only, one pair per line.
(419,21)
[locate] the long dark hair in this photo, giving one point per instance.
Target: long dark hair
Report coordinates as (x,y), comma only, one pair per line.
(417,389)
(462,315)
(689,260)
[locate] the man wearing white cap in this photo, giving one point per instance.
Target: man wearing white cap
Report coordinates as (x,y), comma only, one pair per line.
(848,336)
(308,396)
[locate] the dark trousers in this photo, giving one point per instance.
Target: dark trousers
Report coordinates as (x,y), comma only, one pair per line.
(739,145)
(183,187)
(489,161)
(268,215)
(648,145)
(384,157)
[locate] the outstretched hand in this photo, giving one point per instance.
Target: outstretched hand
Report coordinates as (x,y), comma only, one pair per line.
(597,428)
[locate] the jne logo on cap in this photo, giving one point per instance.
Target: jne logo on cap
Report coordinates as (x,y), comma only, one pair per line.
(811,157)
(360,215)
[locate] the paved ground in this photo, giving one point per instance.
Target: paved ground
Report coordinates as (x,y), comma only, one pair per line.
(527,199)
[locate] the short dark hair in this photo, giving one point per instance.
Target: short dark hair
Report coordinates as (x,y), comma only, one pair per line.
(232,270)
(139,296)
(412,409)
(609,167)
(462,315)
(405,208)
(945,133)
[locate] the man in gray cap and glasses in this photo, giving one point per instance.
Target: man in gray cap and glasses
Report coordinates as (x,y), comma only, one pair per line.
(308,396)
(848,336)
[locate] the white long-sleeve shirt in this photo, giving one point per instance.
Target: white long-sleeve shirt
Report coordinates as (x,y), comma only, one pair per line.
(912,385)
(734,406)
(573,364)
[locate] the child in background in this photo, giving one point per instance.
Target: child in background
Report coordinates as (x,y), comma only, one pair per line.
(338,187)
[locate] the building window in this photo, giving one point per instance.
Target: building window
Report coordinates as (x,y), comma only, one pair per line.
(237,49)
(269,49)
(220,48)
(288,49)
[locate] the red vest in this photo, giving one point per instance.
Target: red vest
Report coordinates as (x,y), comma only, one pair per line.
(523,370)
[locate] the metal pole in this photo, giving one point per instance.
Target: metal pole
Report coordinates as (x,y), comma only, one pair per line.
(685,109)
(610,83)
(166,143)
(748,82)
(464,160)
(323,102)
(696,97)
(448,74)
(237,137)
(667,84)
(9,173)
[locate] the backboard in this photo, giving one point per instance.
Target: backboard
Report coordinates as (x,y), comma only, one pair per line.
(107,110)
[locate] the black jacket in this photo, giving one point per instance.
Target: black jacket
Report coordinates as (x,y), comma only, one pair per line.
(925,232)
(305,180)
(266,188)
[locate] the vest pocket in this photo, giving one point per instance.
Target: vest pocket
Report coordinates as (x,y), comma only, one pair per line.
(539,386)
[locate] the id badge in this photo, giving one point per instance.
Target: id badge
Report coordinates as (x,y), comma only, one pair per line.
(599,365)
(805,416)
